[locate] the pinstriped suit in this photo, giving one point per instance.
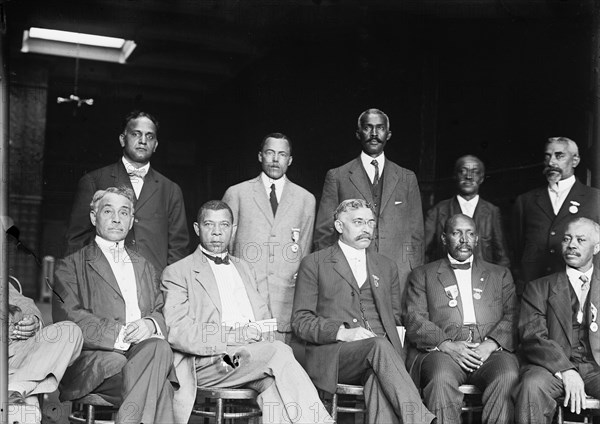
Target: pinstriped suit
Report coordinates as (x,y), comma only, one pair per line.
(430,320)
(546,328)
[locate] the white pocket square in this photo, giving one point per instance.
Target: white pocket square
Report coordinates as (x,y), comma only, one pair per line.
(397,203)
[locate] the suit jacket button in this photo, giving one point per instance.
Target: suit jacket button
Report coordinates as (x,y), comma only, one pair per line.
(136,220)
(552,233)
(552,250)
(354,320)
(132,241)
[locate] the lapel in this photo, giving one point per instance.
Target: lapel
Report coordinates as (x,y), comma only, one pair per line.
(98,262)
(390,180)
(285,204)
(148,189)
(260,198)
(454,207)
(481,209)
(120,175)
(479,278)
(358,177)
(447,278)
(594,295)
(138,270)
(378,294)
(559,301)
(542,199)
(341,266)
(206,278)
(576,194)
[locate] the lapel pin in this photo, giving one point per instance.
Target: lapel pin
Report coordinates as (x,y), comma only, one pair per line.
(375,280)
(573,208)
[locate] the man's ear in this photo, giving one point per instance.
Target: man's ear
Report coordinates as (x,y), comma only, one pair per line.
(131,222)
(476,240)
(122,140)
(290,160)
(93,217)
(260,158)
(357,133)
(234,228)
(338,226)
(389,135)
(596,248)
(155,146)
(197,229)
(444,239)
(576,160)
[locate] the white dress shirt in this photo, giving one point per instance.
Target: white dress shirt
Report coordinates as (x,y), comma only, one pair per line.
(559,192)
(366,162)
(236,310)
(357,259)
(576,282)
(136,181)
(467,207)
(463,278)
(267,182)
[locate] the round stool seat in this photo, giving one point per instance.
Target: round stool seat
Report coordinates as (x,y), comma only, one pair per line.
(220,395)
(89,404)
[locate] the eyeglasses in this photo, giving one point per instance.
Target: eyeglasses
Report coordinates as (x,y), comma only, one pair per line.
(359,223)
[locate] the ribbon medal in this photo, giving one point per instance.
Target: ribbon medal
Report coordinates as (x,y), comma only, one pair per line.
(573,208)
(594,312)
(452,293)
(477,294)
(375,280)
(295,238)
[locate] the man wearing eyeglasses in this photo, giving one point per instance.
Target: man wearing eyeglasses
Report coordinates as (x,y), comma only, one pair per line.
(460,322)
(160,232)
(275,223)
(347,309)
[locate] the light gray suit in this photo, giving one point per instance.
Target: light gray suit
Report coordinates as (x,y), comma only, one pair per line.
(266,241)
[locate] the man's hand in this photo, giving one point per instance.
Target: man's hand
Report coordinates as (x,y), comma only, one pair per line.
(139,330)
(463,353)
(353,334)
(486,348)
(574,390)
(244,335)
(26,327)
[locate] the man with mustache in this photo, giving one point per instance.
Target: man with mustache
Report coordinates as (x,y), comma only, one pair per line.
(392,190)
(558,325)
(347,308)
(540,216)
(275,219)
(160,232)
(469,173)
(460,314)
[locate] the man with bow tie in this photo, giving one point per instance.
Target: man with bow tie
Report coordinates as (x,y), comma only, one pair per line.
(115,298)
(347,309)
(460,313)
(540,216)
(560,340)
(219,327)
(160,232)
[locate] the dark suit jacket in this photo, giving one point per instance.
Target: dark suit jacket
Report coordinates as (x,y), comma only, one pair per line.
(430,320)
(492,243)
(93,301)
(538,233)
(400,220)
(159,233)
(545,323)
(327,297)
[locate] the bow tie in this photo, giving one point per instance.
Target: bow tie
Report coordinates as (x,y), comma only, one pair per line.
(217,259)
(140,173)
(466,265)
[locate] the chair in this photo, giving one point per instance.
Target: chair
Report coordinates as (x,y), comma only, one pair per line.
(86,410)
(239,398)
(591,404)
(472,401)
(347,390)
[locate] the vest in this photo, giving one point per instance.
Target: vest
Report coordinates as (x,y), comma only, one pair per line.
(369,309)
(580,345)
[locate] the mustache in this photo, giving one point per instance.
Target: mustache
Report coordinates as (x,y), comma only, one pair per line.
(572,252)
(549,169)
(363,237)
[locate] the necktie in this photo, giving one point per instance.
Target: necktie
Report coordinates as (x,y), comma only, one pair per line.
(273,199)
(217,259)
(134,172)
(585,288)
(466,265)
(376,165)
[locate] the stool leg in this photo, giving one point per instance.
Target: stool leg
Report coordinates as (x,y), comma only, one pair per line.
(90,417)
(334,406)
(219,411)
(561,419)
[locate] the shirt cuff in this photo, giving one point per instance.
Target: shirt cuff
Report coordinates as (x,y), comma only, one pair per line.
(158,333)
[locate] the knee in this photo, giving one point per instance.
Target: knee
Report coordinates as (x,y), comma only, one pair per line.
(161,348)
(381,344)
(65,333)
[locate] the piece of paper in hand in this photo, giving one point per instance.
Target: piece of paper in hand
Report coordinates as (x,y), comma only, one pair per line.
(401,333)
(120,344)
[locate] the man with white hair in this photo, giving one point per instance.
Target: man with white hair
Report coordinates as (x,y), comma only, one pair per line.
(540,216)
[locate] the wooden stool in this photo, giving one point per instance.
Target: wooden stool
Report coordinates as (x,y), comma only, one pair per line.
(471,402)
(87,410)
(590,405)
(350,390)
(220,396)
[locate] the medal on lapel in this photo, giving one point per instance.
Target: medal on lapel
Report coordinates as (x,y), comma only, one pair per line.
(574,206)
(477,293)
(375,280)
(594,312)
(295,238)
(452,293)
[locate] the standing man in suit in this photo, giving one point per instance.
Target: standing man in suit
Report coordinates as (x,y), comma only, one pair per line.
(160,232)
(460,324)
(392,190)
(117,303)
(469,173)
(540,216)
(347,308)
(275,219)
(213,310)
(559,330)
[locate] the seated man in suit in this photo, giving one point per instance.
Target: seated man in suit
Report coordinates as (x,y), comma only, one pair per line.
(117,303)
(37,356)
(346,307)
(469,173)
(212,309)
(460,313)
(559,330)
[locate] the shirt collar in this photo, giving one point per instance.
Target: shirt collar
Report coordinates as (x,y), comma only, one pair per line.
(565,184)
(574,274)
(208,252)
(366,161)
(463,201)
(352,253)
(128,165)
(267,181)
(107,244)
(469,260)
